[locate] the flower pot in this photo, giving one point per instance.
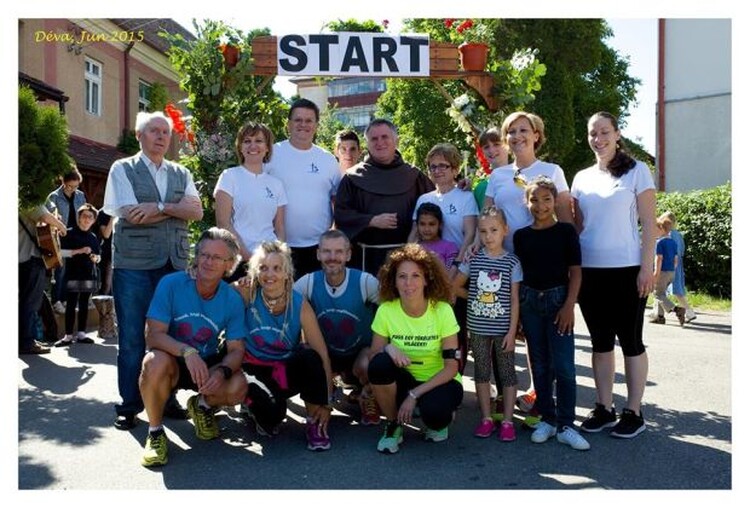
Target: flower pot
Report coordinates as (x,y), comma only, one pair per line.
(231,55)
(473,56)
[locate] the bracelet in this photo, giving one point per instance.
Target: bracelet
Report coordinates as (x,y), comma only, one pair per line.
(187,351)
(413,395)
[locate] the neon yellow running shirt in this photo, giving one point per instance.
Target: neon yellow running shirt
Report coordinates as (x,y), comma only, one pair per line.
(418,338)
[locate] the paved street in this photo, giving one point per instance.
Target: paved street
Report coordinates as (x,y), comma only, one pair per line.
(66,439)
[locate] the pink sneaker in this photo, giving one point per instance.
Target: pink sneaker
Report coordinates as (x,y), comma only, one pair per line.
(507,432)
(485,428)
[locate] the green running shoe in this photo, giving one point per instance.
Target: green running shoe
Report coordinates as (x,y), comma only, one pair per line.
(392,437)
(204,421)
(155,451)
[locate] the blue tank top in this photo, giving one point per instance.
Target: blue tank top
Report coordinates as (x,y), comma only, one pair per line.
(344,320)
(270,337)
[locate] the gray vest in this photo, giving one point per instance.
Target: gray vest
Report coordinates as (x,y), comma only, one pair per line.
(150,246)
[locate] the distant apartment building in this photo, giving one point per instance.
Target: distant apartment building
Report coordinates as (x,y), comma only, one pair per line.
(353,98)
(694,109)
(99,72)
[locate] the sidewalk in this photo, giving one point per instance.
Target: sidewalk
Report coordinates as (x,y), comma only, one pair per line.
(66,439)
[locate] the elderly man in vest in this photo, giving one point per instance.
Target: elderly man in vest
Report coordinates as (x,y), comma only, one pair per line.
(153,199)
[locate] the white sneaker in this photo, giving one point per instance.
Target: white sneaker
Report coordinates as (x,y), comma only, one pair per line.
(59,307)
(690,315)
(572,438)
(543,432)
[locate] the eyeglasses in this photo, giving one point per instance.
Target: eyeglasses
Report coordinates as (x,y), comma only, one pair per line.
(303,121)
(439,167)
(519,180)
(211,257)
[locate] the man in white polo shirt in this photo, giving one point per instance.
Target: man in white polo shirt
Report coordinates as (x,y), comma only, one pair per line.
(310,175)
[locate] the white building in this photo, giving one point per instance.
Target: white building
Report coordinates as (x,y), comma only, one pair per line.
(694,108)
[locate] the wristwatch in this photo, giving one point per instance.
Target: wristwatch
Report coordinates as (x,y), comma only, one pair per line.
(187,351)
(160,206)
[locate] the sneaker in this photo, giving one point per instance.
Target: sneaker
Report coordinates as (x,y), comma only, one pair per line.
(204,420)
(155,451)
(65,341)
(485,428)
(392,437)
(82,338)
(533,419)
(316,440)
(543,432)
(507,432)
(680,313)
(526,401)
(436,436)
(572,438)
(370,412)
(599,418)
(657,320)
(35,349)
(630,425)
(690,315)
(59,307)
(260,428)
(497,415)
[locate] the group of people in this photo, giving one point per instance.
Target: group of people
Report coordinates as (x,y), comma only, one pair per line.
(382,275)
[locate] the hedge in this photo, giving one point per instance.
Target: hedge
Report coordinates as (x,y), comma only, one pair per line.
(704,218)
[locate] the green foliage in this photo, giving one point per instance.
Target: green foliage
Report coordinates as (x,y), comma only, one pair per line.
(128,143)
(353,25)
(328,126)
(583,76)
(158,97)
(221,99)
(42,149)
(704,218)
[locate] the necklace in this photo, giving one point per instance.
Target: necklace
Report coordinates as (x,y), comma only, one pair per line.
(270,303)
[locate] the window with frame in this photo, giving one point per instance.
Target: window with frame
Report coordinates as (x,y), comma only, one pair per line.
(144,95)
(93,85)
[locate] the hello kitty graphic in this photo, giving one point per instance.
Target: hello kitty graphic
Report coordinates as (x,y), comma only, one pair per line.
(487,300)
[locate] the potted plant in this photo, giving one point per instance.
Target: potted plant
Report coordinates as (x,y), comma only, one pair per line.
(474,38)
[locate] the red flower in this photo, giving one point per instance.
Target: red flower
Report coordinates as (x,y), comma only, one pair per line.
(385,23)
(465,26)
(449,23)
(482,159)
(178,124)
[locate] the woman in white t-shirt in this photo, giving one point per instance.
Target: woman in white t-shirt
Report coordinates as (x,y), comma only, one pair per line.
(610,199)
(523,134)
(249,202)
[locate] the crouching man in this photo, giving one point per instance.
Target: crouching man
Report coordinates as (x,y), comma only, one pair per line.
(188,313)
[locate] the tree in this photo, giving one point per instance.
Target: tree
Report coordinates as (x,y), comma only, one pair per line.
(584,76)
(42,149)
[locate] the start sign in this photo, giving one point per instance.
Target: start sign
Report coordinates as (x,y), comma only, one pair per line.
(354,54)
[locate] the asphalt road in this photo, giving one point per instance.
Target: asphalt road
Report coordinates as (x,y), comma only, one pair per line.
(66,439)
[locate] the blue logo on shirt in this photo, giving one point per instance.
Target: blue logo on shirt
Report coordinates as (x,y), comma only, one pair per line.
(452,209)
(314,168)
(269,193)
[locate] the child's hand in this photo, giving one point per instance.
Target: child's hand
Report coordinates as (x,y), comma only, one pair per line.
(509,342)
(245,281)
(95,258)
(565,319)
(85,250)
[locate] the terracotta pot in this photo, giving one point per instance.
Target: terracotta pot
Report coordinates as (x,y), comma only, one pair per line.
(473,56)
(231,55)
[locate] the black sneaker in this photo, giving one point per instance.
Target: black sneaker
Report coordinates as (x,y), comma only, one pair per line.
(630,425)
(680,312)
(599,418)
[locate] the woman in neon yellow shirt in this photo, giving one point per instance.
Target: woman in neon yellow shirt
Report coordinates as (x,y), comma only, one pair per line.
(414,360)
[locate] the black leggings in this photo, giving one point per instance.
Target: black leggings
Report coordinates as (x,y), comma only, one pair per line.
(305,375)
(71,299)
(436,407)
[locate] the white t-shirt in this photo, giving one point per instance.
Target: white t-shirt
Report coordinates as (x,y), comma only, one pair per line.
(610,236)
(310,178)
(509,197)
(255,201)
(456,205)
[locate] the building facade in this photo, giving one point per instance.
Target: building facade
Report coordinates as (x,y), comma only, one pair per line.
(694,108)
(354,98)
(99,72)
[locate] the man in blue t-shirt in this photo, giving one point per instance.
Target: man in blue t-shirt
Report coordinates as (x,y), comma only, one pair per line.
(189,312)
(665,262)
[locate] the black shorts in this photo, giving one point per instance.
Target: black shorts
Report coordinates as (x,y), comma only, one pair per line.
(184,381)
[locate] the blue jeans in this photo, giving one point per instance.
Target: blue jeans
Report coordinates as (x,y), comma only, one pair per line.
(132,291)
(552,354)
(32,276)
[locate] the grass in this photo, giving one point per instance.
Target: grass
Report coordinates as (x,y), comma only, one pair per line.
(704,301)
